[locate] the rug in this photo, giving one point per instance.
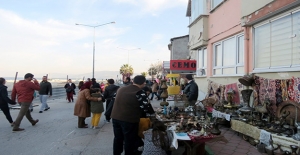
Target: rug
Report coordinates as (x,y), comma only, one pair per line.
(297,88)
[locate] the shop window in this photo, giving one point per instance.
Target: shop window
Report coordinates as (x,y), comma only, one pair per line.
(229,56)
(277,44)
(202,62)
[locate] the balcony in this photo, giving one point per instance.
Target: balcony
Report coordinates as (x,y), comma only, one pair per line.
(198,32)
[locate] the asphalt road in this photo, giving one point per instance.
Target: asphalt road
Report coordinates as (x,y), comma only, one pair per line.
(55,134)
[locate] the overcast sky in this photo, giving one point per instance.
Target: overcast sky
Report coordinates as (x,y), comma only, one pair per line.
(40,36)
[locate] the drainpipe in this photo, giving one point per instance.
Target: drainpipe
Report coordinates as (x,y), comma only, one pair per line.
(247,50)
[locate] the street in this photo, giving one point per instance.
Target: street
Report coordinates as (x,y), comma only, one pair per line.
(55,133)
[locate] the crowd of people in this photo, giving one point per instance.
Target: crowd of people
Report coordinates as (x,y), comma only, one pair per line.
(127,107)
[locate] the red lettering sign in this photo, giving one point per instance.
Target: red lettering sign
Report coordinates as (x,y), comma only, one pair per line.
(189,65)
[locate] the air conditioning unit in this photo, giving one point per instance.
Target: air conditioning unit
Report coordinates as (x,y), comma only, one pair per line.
(200,72)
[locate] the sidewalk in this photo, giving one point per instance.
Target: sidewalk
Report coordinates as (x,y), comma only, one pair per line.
(235,146)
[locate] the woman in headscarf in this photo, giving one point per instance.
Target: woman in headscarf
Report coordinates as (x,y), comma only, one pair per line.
(4,100)
(82,107)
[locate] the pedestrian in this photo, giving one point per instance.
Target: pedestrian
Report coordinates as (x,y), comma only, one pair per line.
(70,90)
(126,113)
(45,92)
(127,81)
(88,83)
(191,90)
(80,84)
(24,90)
(154,90)
(95,84)
(109,92)
(96,108)
(157,140)
(4,100)
(82,106)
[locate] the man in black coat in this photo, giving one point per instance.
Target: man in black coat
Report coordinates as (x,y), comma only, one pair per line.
(70,90)
(109,93)
(191,90)
(4,100)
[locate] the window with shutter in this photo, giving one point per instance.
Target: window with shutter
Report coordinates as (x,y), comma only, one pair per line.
(277,44)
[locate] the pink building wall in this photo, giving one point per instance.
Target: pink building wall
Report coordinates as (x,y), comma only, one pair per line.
(223,22)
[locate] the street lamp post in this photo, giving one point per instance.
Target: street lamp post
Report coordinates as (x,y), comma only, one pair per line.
(94,26)
(128,52)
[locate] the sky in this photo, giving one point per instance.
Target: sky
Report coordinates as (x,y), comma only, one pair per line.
(41,37)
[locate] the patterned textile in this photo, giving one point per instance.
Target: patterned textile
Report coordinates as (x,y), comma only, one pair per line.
(210,138)
(265,137)
(278,92)
(236,95)
(245,129)
(267,90)
(284,90)
(215,90)
(297,88)
(256,90)
(291,89)
(149,147)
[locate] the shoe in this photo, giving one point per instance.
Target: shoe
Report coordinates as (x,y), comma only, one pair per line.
(92,127)
(34,122)
(96,127)
(12,124)
(47,109)
(106,121)
(18,129)
(40,111)
(31,110)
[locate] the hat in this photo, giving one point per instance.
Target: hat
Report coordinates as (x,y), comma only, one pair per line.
(189,76)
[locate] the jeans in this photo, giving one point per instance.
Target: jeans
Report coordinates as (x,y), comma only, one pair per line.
(5,109)
(43,99)
(125,132)
(152,95)
(23,111)
(95,119)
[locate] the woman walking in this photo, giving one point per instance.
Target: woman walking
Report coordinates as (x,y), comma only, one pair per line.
(82,107)
(4,100)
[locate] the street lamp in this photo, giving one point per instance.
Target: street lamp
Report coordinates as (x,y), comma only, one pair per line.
(128,52)
(94,26)
(152,67)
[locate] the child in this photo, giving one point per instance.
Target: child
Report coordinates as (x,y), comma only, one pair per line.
(96,108)
(157,140)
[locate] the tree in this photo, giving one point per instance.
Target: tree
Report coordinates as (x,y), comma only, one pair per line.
(126,71)
(155,69)
(144,74)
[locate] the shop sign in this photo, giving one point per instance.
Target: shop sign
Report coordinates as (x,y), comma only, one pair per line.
(187,65)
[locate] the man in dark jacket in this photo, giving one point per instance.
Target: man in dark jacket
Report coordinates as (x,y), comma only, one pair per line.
(70,90)
(45,92)
(129,102)
(191,90)
(4,100)
(109,92)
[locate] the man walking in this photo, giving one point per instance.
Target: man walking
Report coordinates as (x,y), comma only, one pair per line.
(24,90)
(130,101)
(154,90)
(191,90)
(45,92)
(70,90)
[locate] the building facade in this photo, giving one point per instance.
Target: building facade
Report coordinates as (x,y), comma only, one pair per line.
(231,38)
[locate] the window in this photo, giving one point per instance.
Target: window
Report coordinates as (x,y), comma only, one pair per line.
(215,3)
(277,44)
(198,8)
(202,62)
(229,56)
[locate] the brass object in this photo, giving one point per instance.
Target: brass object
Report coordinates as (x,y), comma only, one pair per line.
(279,151)
(294,149)
(230,98)
(246,80)
(246,94)
(164,94)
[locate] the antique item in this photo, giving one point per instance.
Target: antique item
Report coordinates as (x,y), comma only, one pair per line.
(279,151)
(164,94)
(294,149)
(246,80)
(246,94)
(230,94)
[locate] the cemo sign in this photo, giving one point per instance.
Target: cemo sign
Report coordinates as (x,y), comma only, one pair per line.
(189,65)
